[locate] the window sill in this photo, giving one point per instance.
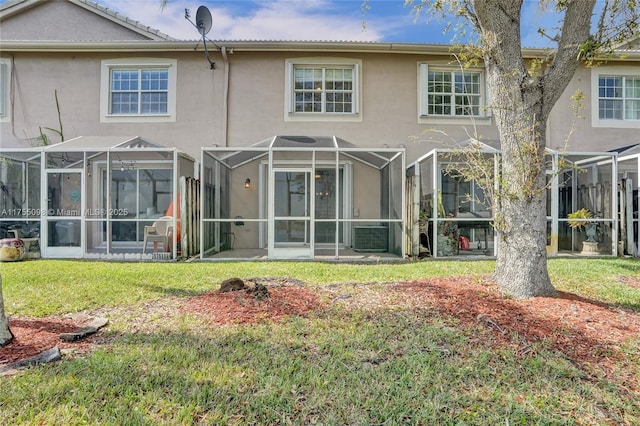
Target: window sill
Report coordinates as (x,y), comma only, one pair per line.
(435,119)
(164,118)
(311,117)
(617,124)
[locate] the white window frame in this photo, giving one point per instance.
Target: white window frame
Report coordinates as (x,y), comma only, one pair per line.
(289,95)
(5,93)
(484,117)
(137,63)
(610,71)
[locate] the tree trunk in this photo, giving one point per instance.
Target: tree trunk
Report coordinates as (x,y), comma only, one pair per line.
(521,267)
(521,102)
(5,334)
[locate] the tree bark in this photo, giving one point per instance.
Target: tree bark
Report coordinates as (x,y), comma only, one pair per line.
(5,334)
(521,103)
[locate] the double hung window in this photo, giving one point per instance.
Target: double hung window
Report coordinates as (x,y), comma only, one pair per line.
(618,97)
(138,90)
(452,93)
(322,89)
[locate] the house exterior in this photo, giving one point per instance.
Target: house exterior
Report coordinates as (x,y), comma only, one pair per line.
(308,126)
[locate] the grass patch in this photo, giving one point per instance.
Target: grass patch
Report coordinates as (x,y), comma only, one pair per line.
(338,366)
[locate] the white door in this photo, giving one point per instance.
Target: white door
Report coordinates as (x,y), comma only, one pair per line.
(63,232)
(291,231)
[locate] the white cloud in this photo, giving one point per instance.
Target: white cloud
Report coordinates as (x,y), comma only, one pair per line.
(260,20)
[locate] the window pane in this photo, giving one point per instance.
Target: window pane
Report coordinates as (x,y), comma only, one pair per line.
(154,103)
(610,109)
(124,80)
(467,105)
(632,88)
(439,105)
(467,83)
(439,82)
(155,79)
(155,192)
(632,110)
(124,103)
(610,87)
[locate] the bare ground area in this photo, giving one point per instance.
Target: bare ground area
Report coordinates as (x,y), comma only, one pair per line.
(590,333)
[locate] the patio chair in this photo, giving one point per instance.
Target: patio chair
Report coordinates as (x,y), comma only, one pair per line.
(160,232)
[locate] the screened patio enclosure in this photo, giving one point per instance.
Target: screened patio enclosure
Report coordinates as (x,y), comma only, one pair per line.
(300,197)
(576,181)
(629,181)
(450,210)
(91,197)
(450,213)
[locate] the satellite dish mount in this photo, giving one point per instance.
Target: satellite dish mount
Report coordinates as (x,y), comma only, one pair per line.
(204,22)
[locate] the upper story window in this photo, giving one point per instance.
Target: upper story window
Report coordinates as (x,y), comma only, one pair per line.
(616,97)
(138,90)
(451,93)
(619,98)
(322,89)
(5,88)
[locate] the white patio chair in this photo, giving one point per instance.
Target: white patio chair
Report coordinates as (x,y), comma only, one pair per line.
(160,232)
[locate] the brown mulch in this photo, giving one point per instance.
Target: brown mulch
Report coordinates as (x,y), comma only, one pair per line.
(588,332)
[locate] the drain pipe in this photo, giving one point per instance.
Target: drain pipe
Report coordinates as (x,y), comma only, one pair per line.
(225,104)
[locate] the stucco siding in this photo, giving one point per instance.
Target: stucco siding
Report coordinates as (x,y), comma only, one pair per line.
(61,20)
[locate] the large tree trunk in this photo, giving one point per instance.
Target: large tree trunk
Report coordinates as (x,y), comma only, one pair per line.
(5,334)
(521,102)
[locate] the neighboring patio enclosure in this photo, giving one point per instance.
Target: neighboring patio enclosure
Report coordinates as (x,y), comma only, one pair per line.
(298,197)
(91,197)
(450,211)
(584,181)
(629,183)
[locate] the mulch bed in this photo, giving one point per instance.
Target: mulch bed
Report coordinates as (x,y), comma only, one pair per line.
(33,336)
(588,332)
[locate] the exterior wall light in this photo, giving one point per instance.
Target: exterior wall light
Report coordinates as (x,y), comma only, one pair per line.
(247,183)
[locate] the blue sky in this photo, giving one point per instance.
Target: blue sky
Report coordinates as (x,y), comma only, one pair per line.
(384,21)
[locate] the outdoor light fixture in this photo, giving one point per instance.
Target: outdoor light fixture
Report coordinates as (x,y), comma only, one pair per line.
(247,183)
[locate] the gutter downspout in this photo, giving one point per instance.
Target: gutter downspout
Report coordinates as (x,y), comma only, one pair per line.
(225,102)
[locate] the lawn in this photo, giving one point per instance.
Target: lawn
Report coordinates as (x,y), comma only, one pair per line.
(385,344)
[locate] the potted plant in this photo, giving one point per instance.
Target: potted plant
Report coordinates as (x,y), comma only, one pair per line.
(581,219)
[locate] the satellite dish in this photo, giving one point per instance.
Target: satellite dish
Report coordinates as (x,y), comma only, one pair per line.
(203,20)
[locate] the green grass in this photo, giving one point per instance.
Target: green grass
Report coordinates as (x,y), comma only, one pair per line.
(46,287)
(336,367)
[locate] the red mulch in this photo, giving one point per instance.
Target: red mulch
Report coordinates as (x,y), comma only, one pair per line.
(240,307)
(588,332)
(33,336)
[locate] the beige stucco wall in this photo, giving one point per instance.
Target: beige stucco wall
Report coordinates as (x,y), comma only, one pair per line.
(76,78)
(61,20)
(389,110)
(573,129)
(256,96)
